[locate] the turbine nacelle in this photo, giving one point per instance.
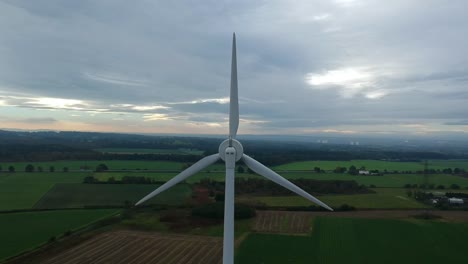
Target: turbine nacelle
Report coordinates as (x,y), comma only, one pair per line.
(230,143)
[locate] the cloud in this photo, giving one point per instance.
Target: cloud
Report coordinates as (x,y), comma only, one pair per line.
(350,81)
(344,65)
(113,79)
(44,120)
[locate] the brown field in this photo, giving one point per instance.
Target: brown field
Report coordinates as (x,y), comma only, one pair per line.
(283,222)
(134,247)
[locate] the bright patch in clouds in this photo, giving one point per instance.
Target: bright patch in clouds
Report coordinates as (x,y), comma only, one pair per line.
(376,94)
(343,77)
(321,17)
(350,81)
(57,103)
(140,108)
(156,117)
(223,100)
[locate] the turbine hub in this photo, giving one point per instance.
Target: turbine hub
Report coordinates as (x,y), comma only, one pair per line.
(231,143)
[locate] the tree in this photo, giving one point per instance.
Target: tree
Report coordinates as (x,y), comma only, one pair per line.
(11,169)
(340,170)
(0,167)
(101,167)
(29,168)
(39,169)
(89,179)
(455,186)
(51,168)
(111,180)
(352,170)
(317,169)
(65,169)
(240,169)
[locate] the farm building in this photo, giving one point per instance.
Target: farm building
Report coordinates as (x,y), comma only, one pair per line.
(455,200)
(363,172)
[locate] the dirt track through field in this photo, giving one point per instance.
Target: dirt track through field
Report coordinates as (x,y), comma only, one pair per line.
(134,247)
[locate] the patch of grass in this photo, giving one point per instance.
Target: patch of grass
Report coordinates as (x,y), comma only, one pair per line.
(145,221)
(267,248)
(384,198)
(240,227)
(25,231)
(83,195)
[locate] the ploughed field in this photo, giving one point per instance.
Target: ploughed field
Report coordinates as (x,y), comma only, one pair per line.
(134,247)
(282,222)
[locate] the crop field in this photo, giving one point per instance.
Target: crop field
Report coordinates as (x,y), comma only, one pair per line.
(352,240)
(139,247)
(22,190)
(374,165)
(23,231)
(82,195)
(283,222)
(180,151)
(385,198)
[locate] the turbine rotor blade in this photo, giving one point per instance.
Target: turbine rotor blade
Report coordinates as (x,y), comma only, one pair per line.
(198,166)
(273,176)
(233,99)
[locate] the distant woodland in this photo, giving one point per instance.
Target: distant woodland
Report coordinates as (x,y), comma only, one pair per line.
(49,146)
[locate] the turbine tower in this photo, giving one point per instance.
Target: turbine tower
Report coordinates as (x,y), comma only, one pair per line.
(231,151)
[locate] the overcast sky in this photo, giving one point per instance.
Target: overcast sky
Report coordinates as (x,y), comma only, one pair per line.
(343,66)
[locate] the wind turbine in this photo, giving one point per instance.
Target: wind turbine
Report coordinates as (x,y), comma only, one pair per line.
(230,151)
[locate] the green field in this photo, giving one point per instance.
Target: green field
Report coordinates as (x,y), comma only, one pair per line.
(82,195)
(23,190)
(385,198)
(346,240)
(23,231)
(165,176)
(74,165)
(180,151)
(389,180)
(374,165)
(294,166)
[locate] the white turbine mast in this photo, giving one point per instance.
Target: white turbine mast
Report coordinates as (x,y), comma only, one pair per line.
(230,151)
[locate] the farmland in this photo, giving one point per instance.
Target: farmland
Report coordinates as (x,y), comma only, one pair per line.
(74,165)
(180,151)
(23,231)
(85,195)
(23,190)
(346,240)
(283,222)
(388,180)
(374,165)
(139,247)
(384,198)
